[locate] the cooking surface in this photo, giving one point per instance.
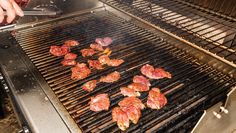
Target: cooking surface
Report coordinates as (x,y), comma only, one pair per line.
(194,86)
(206,30)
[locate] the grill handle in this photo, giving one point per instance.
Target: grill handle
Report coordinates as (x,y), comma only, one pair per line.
(41,12)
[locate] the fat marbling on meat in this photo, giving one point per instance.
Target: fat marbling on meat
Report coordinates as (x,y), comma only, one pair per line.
(141,79)
(156,100)
(99,103)
(131,101)
(121,118)
(138,87)
(68,62)
(95,64)
(80,71)
(88,52)
(59,50)
(154,73)
(125,91)
(71,43)
(96,46)
(132,112)
(110,78)
(89,86)
(70,56)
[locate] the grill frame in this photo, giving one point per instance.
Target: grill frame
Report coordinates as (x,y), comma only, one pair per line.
(42,81)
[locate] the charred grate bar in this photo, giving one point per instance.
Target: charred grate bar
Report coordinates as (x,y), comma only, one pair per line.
(194,86)
(206,30)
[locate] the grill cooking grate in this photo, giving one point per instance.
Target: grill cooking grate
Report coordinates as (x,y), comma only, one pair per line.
(194,86)
(206,30)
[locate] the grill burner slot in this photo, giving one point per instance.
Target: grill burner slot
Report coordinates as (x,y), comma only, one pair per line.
(194,86)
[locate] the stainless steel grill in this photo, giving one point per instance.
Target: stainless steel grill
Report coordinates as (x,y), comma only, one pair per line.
(194,87)
(205,29)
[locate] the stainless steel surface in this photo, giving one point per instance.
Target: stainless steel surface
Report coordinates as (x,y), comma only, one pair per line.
(48,11)
(32,100)
(217,121)
(223,8)
(66,6)
(204,55)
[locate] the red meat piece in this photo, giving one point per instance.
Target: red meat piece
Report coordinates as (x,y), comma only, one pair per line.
(100,102)
(131,101)
(80,71)
(112,77)
(141,79)
(71,43)
(138,87)
(129,92)
(70,56)
(156,100)
(68,62)
(95,64)
(115,62)
(96,46)
(59,50)
(87,52)
(133,113)
(90,85)
(122,119)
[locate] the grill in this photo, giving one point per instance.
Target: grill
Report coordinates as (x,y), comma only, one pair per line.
(188,21)
(194,87)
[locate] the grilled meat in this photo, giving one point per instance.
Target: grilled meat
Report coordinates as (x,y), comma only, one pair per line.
(104,59)
(115,62)
(96,46)
(95,64)
(138,87)
(156,100)
(99,41)
(121,117)
(104,41)
(70,56)
(59,50)
(147,70)
(100,102)
(112,77)
(132,112)
(80,71)
(129,92)
(71,43)
(87,52)
(159,73)
(141,79)
(154,73)
(131,101)
(68,62)
(89,86)
(107,41)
